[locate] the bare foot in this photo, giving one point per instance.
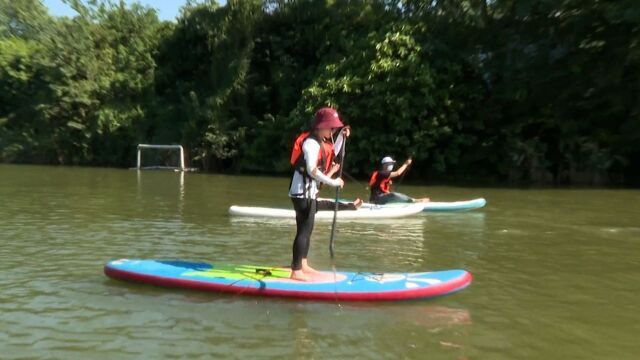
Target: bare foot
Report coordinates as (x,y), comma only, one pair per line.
(299,275)
(357,203)
(308,269)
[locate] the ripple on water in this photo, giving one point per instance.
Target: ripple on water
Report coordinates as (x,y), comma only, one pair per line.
(552,277)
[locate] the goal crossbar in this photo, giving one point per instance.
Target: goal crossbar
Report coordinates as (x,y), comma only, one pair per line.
(161,147)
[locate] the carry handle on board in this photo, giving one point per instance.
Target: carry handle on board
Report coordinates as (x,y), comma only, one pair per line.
(264,272)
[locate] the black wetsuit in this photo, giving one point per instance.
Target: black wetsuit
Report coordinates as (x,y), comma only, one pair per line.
(305,220)
(303,192)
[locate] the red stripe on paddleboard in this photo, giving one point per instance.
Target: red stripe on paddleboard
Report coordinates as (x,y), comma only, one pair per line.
(421,293)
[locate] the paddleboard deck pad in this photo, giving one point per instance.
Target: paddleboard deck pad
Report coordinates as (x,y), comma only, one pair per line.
(274,281)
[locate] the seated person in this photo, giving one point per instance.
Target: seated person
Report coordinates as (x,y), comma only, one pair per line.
(380,184)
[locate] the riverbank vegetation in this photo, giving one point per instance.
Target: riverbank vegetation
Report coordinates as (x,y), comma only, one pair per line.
(505,91)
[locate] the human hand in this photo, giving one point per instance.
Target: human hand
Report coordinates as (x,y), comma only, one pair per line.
(340,183)
(334,168)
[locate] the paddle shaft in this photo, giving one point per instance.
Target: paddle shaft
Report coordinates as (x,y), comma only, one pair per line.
(361,184)
(403,174)
(335,210)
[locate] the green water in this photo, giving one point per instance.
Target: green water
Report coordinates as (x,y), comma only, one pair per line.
(556,272)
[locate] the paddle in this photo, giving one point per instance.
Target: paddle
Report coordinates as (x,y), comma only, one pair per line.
(359,183)
(342,142)
(403,174)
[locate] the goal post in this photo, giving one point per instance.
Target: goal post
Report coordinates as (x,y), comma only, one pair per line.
(179,148)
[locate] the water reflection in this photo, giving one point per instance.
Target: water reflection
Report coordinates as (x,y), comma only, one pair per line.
(553,253)
(388,244)
(151,185)
(466,237)
(342,223)
(467,221)
(308,328)
(429,315)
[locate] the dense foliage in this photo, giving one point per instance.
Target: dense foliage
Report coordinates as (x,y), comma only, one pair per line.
(542,91)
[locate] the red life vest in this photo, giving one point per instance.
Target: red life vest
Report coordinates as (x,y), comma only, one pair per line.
(325,155)
(382,185)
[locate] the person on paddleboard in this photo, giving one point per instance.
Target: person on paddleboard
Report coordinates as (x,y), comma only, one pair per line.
(380,183)
(312,159)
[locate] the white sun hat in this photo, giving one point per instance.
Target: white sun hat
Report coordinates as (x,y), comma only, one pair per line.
(387,160)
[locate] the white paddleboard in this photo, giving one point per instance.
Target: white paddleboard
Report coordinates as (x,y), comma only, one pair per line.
(375,212)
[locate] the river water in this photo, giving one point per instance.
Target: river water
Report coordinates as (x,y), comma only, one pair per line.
(556,272)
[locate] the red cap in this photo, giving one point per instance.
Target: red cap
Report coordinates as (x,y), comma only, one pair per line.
(327,118)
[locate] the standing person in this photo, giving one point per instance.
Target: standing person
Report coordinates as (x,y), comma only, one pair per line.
(312,157)
(380,183)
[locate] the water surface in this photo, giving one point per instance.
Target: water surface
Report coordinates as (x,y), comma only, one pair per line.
(556,272)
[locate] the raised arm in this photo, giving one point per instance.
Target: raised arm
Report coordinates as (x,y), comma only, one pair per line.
(401,169)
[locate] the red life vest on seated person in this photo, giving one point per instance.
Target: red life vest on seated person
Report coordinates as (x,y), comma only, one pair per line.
(380,185)
(325,155)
